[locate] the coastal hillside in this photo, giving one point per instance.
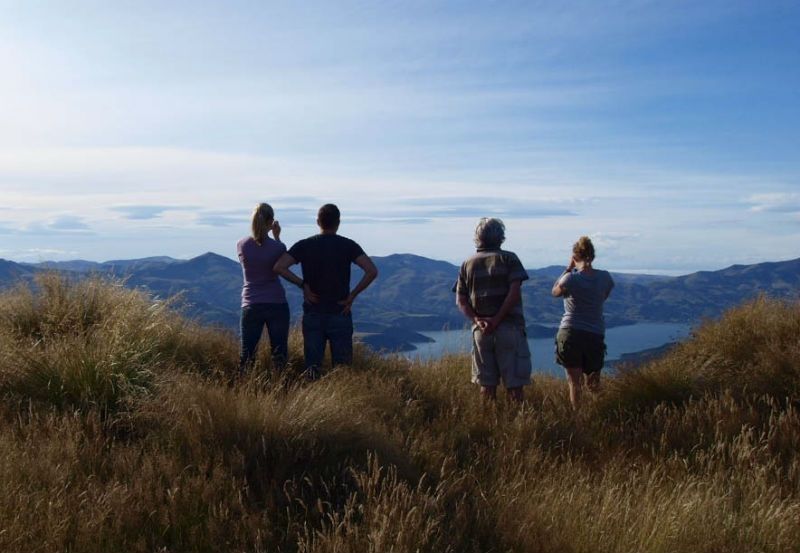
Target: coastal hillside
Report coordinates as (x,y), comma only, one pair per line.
(125,429)
(415,293)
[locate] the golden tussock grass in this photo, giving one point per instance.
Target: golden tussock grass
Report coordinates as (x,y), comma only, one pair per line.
(122,429)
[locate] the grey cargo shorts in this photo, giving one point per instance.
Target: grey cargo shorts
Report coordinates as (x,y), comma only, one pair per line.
(502,355)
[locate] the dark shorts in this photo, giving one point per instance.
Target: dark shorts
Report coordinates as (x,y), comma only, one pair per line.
(579,348)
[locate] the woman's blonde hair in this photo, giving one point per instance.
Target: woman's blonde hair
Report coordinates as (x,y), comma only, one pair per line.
(263,216)
(584,249)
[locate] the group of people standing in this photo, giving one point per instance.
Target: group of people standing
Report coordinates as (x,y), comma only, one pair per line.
(325,259)
(488,292)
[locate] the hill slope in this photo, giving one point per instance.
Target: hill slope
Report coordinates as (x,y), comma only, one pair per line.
(122,431)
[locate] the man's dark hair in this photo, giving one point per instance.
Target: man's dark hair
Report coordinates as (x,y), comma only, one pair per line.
(328,216)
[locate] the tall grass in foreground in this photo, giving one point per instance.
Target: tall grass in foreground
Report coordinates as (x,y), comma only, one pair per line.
(120,430)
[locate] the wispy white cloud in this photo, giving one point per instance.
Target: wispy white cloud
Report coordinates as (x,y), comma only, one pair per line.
(389,220)
(68,223)
(58,225)
(180,201)
(613,240)
(296,200)
(494,206)
(220,218)
(146,212)
(63,225)
(39,254)
(775,202)
(230,217)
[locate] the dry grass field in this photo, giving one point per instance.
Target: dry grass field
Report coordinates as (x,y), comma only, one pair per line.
(122,430)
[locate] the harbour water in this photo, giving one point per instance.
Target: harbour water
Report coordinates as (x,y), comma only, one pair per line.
(619,340)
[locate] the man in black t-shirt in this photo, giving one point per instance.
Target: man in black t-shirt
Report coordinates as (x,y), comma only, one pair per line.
(325,259)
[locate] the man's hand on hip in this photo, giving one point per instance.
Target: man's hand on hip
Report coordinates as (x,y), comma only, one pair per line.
(308,295)
(347,304)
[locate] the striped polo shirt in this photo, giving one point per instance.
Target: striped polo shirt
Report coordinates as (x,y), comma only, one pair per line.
(485,279)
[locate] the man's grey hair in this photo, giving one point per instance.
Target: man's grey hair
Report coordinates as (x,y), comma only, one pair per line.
(490,233)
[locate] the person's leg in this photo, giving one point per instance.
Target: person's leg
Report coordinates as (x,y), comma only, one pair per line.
(251,325)
(569,355)
(340,333)
(516,394)
(484,364)
(278,329)
(313,344)
(489,393)
(575,378)
(593,381)
(595,359)
(513,357)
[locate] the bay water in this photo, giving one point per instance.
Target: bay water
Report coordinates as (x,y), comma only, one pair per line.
(619,340)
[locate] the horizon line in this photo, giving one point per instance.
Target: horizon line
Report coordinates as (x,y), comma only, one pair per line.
(673,273)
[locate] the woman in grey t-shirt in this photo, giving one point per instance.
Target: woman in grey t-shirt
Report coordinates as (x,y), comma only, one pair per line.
(580,342)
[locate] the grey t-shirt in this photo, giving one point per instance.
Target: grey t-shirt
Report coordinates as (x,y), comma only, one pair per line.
(583,300)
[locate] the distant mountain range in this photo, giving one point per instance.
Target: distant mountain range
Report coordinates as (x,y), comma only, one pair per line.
(413,293)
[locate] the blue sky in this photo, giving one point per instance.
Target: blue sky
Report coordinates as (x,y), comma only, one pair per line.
(667,131)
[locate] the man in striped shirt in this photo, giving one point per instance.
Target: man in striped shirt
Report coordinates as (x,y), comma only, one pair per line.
(488,293)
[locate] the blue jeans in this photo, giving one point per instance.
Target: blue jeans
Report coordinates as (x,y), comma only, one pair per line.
(276,317)
(320,328)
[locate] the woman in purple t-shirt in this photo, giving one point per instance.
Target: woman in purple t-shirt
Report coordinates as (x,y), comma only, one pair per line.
(263,297)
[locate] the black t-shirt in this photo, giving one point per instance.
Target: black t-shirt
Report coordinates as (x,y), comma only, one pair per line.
(325,260)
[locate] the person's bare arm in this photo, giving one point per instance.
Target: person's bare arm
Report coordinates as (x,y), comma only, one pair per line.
(558,290)
(282,268)
(513,297)
(462,301)
(370,274)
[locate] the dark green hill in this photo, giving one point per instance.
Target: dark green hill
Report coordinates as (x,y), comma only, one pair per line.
(415,293)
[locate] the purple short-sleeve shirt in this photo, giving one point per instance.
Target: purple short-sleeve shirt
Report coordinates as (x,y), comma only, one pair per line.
(261,283)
